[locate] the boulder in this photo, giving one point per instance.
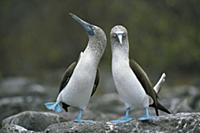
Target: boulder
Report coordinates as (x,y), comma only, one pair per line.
(20,94)
(45,122)
(31,121)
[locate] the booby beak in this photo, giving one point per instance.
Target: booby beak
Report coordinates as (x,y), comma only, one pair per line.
(119,38)
(87,27)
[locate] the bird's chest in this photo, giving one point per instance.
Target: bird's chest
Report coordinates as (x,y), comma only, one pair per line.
(120,70)
(77,92)
(83,77)
(127,84)
(122,75)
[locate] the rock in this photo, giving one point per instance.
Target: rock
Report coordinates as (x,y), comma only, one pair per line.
(182,122)
(20,94)
(53,123)
(31,121)
(14,105)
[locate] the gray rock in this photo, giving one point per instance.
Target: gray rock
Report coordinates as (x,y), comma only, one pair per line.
(31,121)
(14,105)
(20,94)
(182,122)
(53,123)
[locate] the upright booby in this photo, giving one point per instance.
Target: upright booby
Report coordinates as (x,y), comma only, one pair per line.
(131,81)
(81,78)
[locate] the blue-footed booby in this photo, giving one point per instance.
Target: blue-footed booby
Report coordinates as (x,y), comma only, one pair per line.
(132,83)
(81,78)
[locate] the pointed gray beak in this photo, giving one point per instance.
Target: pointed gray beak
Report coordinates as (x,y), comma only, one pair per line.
(87,27)
(119,36)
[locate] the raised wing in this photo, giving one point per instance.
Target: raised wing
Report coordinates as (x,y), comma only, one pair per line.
(143,78)
(147,85)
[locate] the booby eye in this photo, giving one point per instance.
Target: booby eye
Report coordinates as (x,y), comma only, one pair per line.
(91,30)
(114,35)
(124,35)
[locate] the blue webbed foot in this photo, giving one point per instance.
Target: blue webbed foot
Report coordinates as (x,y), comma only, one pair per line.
(54,106)
(122,120)
(147,116)
(80,120)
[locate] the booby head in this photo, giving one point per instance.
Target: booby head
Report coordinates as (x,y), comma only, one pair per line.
(89,28)
(119,41)
(97,37)
(119,35)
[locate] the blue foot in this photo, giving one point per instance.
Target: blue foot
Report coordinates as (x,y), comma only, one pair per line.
(122,120)
(147,116)
(54,106)
(80,120)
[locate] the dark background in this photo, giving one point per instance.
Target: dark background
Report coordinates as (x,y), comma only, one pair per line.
(38,39)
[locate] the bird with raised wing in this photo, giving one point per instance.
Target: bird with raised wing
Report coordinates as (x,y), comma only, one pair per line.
(132,83)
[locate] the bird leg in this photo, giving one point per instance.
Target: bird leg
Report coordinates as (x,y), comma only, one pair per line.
(124,119)
(146,116)
(80,120)
(158,85)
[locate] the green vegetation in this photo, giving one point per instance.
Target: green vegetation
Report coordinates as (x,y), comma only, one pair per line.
(40,35)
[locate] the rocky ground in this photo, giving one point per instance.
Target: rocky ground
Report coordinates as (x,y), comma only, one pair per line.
(43,122)
(22,110)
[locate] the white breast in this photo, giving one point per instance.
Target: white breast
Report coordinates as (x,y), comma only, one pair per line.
(79,88)
(129,88)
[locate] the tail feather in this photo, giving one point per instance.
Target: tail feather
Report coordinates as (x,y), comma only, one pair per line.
(160,107)
(65,106)
(54,106)
(157,113)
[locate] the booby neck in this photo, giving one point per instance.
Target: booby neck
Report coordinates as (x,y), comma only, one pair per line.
(97,40)
(95,48)
(120,51)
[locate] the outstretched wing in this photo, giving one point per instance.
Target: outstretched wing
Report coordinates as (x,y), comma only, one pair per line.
(143,78)
(147,85)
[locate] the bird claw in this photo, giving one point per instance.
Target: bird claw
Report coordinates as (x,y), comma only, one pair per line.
(122,120)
